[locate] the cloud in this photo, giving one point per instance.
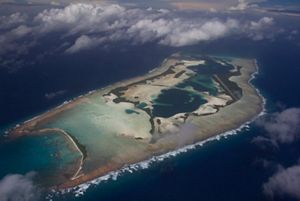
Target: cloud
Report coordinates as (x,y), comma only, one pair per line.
(110,23)
(186,135)
(9,41)
(283,127)
(84,17)
(262,23)
(295,32)
(284,182)
(192,34)
(12,20)
(18,187)
(265,143)
(91,24)
(82,43)
(261,29)
(178,32)
(142,26)
(55,94)
(266,164)
(242,5)
(20,31)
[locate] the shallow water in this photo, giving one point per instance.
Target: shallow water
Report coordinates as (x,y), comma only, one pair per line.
(93,124)
(49,155)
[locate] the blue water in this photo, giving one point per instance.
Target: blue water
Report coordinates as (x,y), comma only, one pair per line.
(174,101)
(221,170)
(46,155)
(216,171)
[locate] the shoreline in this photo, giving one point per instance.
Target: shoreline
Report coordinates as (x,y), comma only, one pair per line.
(168,144)
(75,145)
(18,129)
(81,188)
(73,142)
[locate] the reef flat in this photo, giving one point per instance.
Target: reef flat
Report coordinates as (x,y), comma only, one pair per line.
(187,99)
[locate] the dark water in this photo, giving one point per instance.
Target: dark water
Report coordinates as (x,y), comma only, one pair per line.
(222,170)
(174,101)
(25,90)
(179,100)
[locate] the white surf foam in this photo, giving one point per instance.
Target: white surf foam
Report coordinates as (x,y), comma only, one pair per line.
(82,188)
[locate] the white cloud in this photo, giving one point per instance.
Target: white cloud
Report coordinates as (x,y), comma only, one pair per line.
(9,40)
(242,5)
(190,33)
(18,187)
(261,29)
(82,43)
(82,17)
(137,25)
(20,31)
(262,23)
(12,20)
(55,94)
(92,24)
(148,30)
(284,182)
(283,127)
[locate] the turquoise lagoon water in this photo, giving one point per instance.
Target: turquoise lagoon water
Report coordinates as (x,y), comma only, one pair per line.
(50,155)
(97,127)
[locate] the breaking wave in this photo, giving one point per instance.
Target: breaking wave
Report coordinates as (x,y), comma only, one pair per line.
(82,188)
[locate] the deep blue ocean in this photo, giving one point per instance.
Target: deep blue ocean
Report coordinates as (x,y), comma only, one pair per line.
(227,170)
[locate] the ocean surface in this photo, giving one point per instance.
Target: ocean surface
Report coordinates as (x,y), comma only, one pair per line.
(226,169)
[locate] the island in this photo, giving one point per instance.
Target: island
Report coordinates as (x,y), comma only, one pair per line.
(187,99)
